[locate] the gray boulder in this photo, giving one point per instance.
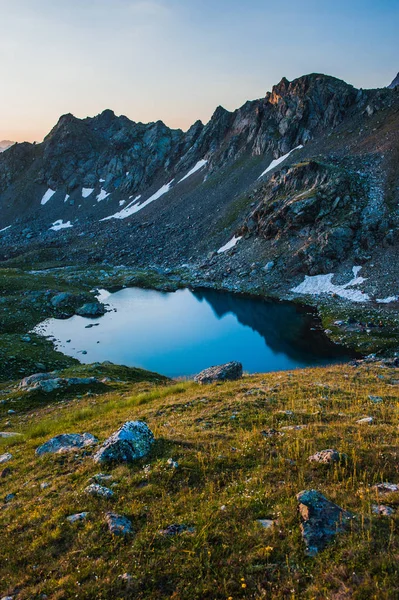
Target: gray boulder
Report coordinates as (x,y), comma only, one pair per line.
(227,372)
(91,309)
(77,517)
(94,489)
(321,520)
(66,442)
(118,524)
(5,458)
(48,382)
(132,441)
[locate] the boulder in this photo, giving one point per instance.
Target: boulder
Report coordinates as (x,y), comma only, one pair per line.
(118,524)
(77,517)
(8,434)
(91,309)
(321,520)
(227,372)
(66,442)
(95,489)
(383,510)
(327,457)
(5,458)
(131,442)
(48,382)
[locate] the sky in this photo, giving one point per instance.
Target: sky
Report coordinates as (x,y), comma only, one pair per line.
(177,60)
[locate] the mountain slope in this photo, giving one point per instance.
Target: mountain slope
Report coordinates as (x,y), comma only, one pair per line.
(106,188)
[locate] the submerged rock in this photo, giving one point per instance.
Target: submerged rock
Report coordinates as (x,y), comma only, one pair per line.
(327,456)
(91,309)
(118,524)
(321,520)
(131,442)
(66,442)
(227,372)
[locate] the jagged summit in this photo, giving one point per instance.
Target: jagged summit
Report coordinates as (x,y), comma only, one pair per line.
(395,82)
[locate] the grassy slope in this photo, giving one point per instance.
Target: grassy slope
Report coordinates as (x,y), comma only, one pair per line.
(215,435)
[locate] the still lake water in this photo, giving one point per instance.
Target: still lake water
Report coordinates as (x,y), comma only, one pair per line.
(181,333)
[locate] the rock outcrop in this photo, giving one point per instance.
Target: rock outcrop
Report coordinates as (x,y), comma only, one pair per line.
(67,442)
(229,371)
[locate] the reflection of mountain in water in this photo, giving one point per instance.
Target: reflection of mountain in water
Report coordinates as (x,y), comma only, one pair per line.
(285,327)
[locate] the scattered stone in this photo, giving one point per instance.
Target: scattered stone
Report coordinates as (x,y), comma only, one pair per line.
(227,372)
(118,524)
(5,473)
(100,477)
(66,442)
(381,509)
(321,520)
(376,399)
(386,488)
(5,458)
(365,421)
(127,578)
(94,489)
(265,523)
(78,517)
(91,309)
(327,456)
(176,529)
(11,412)
(48,382)
(8,434)
(9,497)
(271,433)
(172,463)
(131,442)
(293,427)
(44,485)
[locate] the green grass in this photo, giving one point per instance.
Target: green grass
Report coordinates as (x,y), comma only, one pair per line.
(214,433)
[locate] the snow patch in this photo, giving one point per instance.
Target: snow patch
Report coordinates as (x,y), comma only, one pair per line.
(49,194)
(133,207)
(101,180)
(57,225)
(230,244)
(66,197)
(387,300)
(322,284)
(197,167)
(5,228)
(102,195)
(86,192)
(278,161)
(122,202)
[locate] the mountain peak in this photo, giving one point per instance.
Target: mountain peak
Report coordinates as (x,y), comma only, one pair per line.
(395,82)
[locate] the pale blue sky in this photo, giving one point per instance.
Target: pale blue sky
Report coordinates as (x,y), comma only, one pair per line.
(177,60)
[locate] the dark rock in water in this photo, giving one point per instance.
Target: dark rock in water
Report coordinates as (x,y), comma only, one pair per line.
(131,442)
(327,456)
(227,372)
(176,529)
(118,524)
(66,442)
(91,309)
(321,520)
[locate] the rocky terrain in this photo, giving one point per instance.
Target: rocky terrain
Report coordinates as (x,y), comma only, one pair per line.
(5,144)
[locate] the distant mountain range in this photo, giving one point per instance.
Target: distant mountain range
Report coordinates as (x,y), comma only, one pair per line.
(305,179)
(5,144)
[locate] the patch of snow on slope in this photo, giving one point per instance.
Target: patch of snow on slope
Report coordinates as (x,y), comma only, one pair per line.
(133,207)
(5,228)
(387,300)
(278,161)
(230,244)
(122,202)
(322,284)
(66,198)
(49,194)
(197,167)
(86,192)
(102,195)
(57,225)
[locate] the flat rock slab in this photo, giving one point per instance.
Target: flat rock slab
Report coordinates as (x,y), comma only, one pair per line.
(48,382)
(66,442)
(8,434)
(95,489)
(227,372)
(131,442)
(321,520)
(118,524)
(327,457)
